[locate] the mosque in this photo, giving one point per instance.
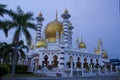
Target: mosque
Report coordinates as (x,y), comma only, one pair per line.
(52,52)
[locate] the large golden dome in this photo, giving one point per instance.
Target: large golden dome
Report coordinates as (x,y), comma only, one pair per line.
(52,28)
(41,43)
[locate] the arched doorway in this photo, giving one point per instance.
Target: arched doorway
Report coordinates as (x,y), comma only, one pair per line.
(97,63)
(69,62)
(91,63)
(78,63)
(45,62)
(55,61)
(85,64)
(35,64)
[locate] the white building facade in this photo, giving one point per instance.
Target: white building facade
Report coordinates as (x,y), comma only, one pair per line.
(52,51)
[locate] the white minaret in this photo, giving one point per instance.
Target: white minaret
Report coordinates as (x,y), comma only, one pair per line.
(66,22)
(39,19)
(70,34)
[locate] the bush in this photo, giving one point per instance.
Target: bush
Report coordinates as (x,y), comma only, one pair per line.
(4,69)
(21,69)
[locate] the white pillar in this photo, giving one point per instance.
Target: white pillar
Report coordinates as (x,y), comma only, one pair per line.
(71,68)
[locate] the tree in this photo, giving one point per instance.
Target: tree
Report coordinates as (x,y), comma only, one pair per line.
(21,51)
(21,21)
(3,9)
(6,49)
(3,23)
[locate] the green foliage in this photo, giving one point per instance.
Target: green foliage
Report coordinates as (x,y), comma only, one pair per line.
(4,69)
(21,69)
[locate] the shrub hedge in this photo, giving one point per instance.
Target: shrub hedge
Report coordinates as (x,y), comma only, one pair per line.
(4,69)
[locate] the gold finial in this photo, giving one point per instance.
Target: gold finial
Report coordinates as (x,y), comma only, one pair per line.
(77,40)
(56,15)
(65,11)
(100,44)
(81,39)
(40,14)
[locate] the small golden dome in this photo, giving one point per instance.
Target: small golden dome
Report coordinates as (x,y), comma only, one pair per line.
(65,11)
(40,14)
(105,56)
(52,28)
(82,45)
(41,43)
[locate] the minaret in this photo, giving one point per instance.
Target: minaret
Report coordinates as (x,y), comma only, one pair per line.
(70,34)
(39,19)
(100,44)
(99,48)
(66,17)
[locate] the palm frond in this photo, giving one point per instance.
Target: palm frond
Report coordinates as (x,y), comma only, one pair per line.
(31,26)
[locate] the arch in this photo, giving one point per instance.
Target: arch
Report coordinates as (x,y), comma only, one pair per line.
(35,63)
(55,61)
(78,58)
(78,63)
(85,64)
(97,63)
(45,62)
(71,58)
(91,63)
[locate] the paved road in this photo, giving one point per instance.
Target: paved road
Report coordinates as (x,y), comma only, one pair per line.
(72,78)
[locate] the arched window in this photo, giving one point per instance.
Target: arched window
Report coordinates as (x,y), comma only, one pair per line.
(45,62)
(55,61)
(78,63)
(97,63)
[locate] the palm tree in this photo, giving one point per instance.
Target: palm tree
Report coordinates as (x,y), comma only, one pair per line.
(21,22)
(3,24)
(3,10)
(6,49)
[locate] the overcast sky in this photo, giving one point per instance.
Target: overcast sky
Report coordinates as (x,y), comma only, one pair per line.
(93,19)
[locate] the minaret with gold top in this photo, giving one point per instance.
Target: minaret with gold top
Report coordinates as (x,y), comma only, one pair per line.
(101,51)
(39,19)
(66,22)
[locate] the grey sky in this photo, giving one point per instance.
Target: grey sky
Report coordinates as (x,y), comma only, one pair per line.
(93,19)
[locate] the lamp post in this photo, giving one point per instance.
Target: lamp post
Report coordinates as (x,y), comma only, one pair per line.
(71,60)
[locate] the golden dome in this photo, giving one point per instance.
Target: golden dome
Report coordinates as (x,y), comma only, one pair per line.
(52,28)
(105,56)
(41,43)
(82,45)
